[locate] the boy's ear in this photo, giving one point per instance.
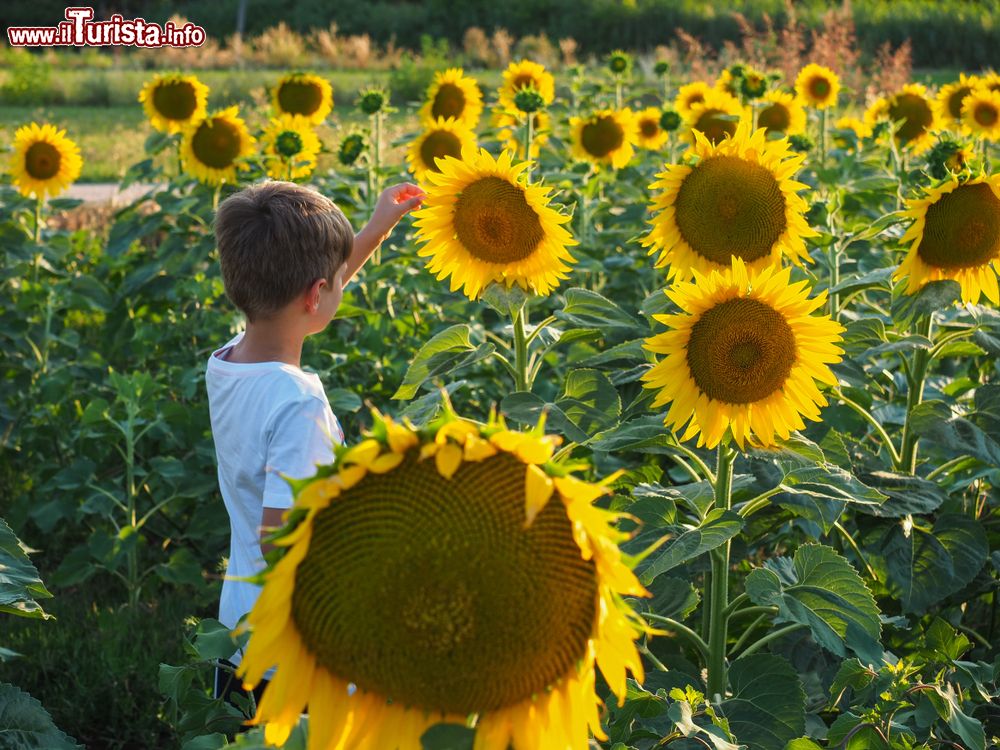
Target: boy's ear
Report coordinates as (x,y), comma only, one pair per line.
(312,295)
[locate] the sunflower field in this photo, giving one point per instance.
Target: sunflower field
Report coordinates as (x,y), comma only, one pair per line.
(673,421)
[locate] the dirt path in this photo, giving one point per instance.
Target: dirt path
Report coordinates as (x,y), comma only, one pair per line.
(105,192)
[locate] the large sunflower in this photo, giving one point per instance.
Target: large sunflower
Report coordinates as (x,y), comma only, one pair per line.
(716,116)
(913,110)
(606,137)
(817,86)
(526,74)
(303,94)
(649,133)
(453,94)
(743,354)
(44,161)
(981,113)
(690,94)
(781,113)
(444,137)
(447,573)
(510,130)
(948,102)
(956,235)
(482,222)
(737,200)
(289,147)
(211,149)
(173,101)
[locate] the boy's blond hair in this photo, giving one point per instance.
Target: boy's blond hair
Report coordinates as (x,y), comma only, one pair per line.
(275,239)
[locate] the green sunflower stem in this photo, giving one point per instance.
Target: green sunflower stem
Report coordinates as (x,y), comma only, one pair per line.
(38,227)
(719,596)
(373,173)
(833,253)
(822,137)
(521,378)
(914,397)
(619,94)
(528,135)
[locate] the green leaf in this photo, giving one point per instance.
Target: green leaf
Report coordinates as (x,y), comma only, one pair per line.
(718,528)
(343,400)
(907,494)
(803,743)
(820,493)
(767,708)
(822,590)
(878,278)
(935,296)
(927,564)
(956,435)
(672,597)
(946,704)
(444,353)
(422,410)
(589,309)
(589,404)
(852,674)
(447,737)
(213,640)
(25,725)
(19,581)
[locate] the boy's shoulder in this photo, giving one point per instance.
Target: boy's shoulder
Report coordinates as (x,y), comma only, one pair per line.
(269,382)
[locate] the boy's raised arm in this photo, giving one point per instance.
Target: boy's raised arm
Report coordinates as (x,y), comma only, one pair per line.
(392,205)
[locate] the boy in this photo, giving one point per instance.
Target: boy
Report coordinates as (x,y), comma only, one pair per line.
(286,253)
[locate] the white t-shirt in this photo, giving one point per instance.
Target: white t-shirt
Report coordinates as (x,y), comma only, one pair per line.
(267,417)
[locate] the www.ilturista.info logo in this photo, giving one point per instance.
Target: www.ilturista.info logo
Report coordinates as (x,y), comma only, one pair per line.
(80,30)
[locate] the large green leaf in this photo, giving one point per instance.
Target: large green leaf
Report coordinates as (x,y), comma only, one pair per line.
(447,737)
(821,589)
(949,708)
(953,434)
(589,309)
(444,353)
(718,528)
(589,404)
(822,491)
(19,581)
(767,708)
(907,494)
(935,296)
(927,564)
(25,725)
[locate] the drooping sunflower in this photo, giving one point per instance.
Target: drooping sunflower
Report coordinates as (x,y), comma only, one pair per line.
(948,102)
(482,222)
(303,94)
(504,580)
(956,235)
(728,83)
(744,354)
(738,200)
(716,116)
(174,100)
(607,137)
(510,130)
(526,74)
(211,148)
(650,135)
(781,113)
(289,147)
(453,94)
(913,110)
(981,113)
(44,161)
(690,94)
(444,137)
(817,86)
(351,148)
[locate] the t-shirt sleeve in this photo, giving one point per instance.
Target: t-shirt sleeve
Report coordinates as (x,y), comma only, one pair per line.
(299,438)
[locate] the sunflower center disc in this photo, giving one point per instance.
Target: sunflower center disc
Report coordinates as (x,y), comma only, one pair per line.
(819,87)
(602,136)
(523,81)
(962,228)
(774,117)
(449,101)
(175,101)
(432,593)
(747,199)
(986,114)
(716,125)
(916,115)
(216,143)
(437,145)
(288,143)
(495,223)
(955,102)
(42,160)
(740,351)
(649,128)
(300,97)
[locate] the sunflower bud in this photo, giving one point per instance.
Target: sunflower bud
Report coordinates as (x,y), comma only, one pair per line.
(753,84)
(801,143)
(947,158)
(670,120)
(661,68)
(619,62)
(351,148)
(737,70)
(528,100)
(288,143)
(372,101)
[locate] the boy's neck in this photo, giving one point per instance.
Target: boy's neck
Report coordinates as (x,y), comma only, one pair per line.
(268,341)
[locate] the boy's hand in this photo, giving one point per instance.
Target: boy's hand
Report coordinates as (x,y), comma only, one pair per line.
(392,205)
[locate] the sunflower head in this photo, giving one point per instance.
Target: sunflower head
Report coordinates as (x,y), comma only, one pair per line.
(743,356)
(483,223)
(912,114)
(781,113)
(44,162)
(737,199)
(173,101)
(505,579)
(211,149)
(528,100)
(728,81)
(661,68)
(690,94)
(289,147)
(949,99)
(605,138)
(817,86)
(373,100)
(453,94)
(524,74)
(510,130)
(304,94)
(753,83)
(716,116)
(670,120)
(440,139)
(351,148)
(650,135)
(949,157)
(955,235)
(981,113)
(619,62)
